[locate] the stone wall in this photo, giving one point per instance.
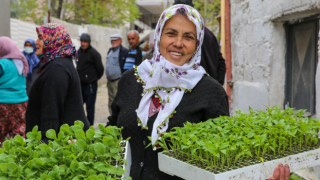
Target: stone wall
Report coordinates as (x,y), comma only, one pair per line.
(100,38)
(258,48)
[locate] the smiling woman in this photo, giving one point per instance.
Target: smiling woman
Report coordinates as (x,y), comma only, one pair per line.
(174,90)
(178,40)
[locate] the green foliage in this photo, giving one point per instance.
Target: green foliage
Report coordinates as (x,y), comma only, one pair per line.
(26,10)
(102,12)
(295,177)
(225,143)
(96,155)
(209,10)
(99,12)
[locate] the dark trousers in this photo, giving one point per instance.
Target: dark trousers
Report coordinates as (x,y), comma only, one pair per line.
(89,94)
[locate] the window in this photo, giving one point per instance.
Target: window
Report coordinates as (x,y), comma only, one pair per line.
(301,61)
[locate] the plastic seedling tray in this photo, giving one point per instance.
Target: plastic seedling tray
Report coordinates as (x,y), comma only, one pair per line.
(127,156)
(259,171)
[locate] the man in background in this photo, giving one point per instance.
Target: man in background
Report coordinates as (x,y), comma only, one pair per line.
(90,70)
(134,56)
(114,66)
(211,57)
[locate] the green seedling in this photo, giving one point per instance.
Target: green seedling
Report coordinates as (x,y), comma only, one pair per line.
(244,139)
(97,154)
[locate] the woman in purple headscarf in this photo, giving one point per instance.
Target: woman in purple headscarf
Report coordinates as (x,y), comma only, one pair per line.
(166,91)
(13,96)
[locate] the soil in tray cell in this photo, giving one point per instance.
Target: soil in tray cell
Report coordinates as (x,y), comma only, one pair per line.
(245,162)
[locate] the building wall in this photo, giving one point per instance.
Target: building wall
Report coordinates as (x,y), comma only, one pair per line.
(149,19)
(100,38)
(258,48)
(21,30)
(5,18)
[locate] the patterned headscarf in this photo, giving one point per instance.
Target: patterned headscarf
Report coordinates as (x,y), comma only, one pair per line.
(32,58)
(57,42)
(165,80)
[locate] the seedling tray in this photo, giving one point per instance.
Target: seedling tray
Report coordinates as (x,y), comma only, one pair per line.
(259,171)
(127,156)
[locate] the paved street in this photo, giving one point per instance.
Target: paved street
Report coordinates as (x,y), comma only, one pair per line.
(101,112)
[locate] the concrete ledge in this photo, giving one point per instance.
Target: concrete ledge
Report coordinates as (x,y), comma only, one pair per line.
(298,12)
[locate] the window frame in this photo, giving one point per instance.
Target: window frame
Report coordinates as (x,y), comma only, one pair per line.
(288,59)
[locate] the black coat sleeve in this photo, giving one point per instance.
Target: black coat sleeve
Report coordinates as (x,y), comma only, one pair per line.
(54,89)
(115,107)
(217,103)
(223,108)
(138,57)
(98,64)
(221,64)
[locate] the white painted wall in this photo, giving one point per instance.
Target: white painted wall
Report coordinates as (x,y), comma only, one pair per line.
(258,49)
(100,36)
(20,31)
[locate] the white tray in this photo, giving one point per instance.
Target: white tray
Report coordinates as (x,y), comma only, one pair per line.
(127,156)
(260,171)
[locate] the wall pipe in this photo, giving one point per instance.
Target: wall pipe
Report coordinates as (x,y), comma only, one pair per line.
(223,33)
(228,56)
(49,7)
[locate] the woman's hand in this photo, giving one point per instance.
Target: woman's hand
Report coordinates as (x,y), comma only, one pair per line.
(281,173)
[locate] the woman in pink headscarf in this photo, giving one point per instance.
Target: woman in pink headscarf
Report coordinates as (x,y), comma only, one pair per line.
(13,97)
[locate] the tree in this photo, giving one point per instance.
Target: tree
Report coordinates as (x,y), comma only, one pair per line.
(103,12)
(209,10)
(99,12)
(56,8)
(26,10)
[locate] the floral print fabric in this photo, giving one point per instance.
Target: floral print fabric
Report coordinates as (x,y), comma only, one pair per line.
(57,42)
(154,106)
(167,81)
(12,120)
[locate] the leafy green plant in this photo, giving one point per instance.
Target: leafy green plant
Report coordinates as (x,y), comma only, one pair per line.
(96,155)
(226,143)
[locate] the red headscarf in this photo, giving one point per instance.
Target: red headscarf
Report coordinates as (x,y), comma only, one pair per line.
(9,50)
(57,42)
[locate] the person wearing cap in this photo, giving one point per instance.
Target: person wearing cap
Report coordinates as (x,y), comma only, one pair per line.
(211,57)
(90,70)
(114,64)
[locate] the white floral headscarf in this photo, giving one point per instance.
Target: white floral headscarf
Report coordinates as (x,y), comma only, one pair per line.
(165,80)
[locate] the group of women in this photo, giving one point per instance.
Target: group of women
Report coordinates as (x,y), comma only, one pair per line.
(158,95)
(40,85)
(18,70)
